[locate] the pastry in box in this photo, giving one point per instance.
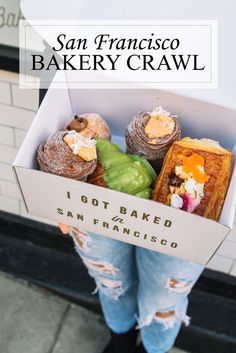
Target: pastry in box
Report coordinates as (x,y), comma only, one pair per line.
(195,177)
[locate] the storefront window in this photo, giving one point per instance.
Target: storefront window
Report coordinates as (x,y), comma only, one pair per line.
(10,15)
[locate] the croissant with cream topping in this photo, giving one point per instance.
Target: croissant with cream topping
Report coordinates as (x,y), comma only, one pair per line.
(72,152)
(55,156)
(150,135)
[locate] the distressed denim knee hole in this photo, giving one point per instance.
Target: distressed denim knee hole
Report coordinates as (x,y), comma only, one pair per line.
(168,318)
(100,266)
(81,239)
(179,285)
(164,314)
(109,287)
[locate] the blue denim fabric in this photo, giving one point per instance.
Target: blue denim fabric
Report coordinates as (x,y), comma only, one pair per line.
(139,287)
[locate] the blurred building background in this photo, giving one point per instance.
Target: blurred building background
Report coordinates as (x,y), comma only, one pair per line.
(17,111)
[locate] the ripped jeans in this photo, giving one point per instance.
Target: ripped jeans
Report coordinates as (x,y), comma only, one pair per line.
(139,287)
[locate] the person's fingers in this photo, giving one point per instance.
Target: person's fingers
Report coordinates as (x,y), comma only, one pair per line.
(64,228)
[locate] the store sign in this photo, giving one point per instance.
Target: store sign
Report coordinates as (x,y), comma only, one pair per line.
(10,15)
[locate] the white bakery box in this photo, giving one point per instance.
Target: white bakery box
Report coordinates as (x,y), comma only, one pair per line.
(113,214)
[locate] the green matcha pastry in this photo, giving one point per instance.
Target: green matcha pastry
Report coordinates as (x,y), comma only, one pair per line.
(122,172)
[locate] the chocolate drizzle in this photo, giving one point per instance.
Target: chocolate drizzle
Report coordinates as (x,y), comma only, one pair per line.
(55,157)
(175,180)
(152,149)
(90,125)
(79,123)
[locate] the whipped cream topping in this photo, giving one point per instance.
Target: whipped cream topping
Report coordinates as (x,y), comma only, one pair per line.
(83,146)
(190,185)
(160,124)
(78,141)
(176,201)
(180,172)
(159,111)
(194,188)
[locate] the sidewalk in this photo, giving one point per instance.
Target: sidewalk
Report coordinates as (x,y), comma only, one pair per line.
(36,321)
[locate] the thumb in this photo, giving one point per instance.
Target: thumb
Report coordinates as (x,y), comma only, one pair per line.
(64,228)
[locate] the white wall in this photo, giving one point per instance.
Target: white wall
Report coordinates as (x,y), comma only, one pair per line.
(17,111)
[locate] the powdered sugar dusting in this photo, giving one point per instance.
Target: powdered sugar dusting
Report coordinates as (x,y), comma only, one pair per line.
(159,111)
(55,157)
(75,141)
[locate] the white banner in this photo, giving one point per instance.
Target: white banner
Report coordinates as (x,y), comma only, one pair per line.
(123,54)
